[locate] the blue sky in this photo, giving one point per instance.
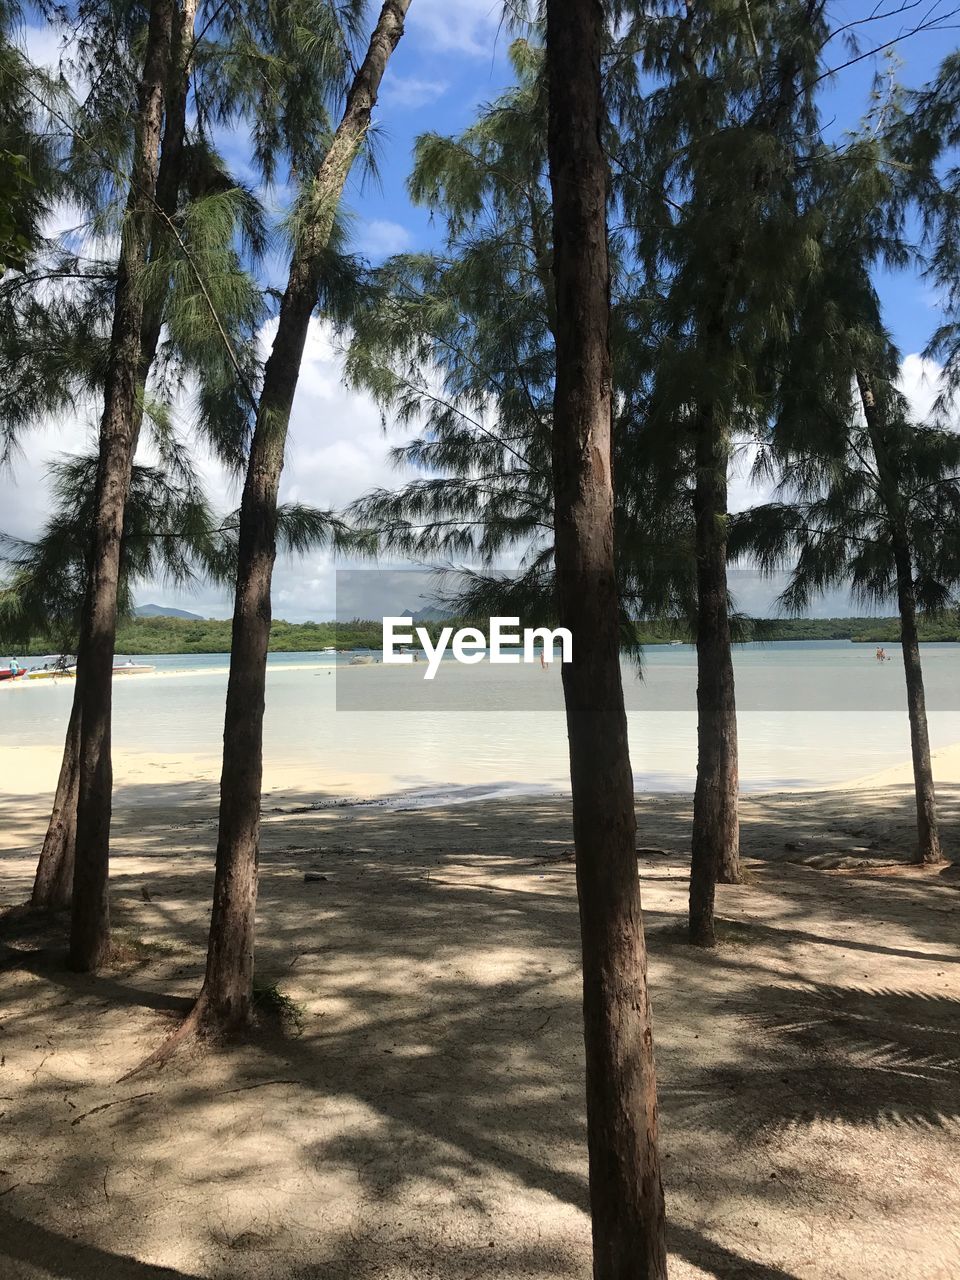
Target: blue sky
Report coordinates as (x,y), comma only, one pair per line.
(453,57)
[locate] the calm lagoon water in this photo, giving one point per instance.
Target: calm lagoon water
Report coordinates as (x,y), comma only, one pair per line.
(811,713)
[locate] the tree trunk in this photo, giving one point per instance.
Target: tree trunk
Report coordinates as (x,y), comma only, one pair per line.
(626,1196)
(716,826)
(90,921)
(53,883)
(225,999)
(929,851)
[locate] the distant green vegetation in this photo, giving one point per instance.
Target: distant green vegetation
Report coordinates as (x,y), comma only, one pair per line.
(858,630)
(212,635)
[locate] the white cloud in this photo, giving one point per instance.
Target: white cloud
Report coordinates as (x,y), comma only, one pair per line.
(380,238)
(411,91)
(44,45)
(462,26)
(336,451)
(920,383)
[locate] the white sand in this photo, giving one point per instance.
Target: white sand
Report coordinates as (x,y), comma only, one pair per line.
(426,1121)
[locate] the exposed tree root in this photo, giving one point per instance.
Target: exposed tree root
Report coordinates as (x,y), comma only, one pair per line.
(192,1025)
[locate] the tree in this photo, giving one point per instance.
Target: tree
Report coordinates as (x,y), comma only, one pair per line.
(189,285)
(169,532)
(55,871)
(897,460)
(922,133)
(225,998)
(462,343)
(878,515)
(867,498)
(29,175)
(626,1195)
(712,172)
(874,495)
(90,921)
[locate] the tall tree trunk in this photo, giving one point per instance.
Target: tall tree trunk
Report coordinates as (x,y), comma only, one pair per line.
(626,1196)
(53,884)
(90,921)
(716,825)
(226,996)
(929,851)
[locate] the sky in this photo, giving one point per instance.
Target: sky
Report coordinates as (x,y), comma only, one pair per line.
(451,60)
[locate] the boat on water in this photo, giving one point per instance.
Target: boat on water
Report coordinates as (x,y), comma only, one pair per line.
(68,671)
(53,669)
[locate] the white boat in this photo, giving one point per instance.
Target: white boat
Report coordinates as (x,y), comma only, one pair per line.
(52,672)
(132,669)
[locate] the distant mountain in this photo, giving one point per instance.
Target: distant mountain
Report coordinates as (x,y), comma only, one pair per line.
(429,614)
(160,611)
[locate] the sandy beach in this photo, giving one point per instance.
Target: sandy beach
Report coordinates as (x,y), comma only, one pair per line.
(422,1113)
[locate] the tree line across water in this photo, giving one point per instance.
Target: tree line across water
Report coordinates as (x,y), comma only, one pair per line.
(656,255)
(162,635)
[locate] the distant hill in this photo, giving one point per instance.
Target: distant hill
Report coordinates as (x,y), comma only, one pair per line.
(160,611)
(428,614)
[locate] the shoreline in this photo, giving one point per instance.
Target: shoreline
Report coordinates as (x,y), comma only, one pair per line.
(29,773)
(168,673)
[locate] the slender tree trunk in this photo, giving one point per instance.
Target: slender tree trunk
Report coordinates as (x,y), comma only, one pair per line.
(626,1196)
(90,921)
(716,826)
(929,851)
(225,999)
(53,883)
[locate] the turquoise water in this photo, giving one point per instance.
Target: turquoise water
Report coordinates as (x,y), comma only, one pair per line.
(811,713)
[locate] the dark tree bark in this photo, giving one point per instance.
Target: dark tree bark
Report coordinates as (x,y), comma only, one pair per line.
(226,996)
(53,883)
(626,1196)
(90,920)
(929,851)
(54,879)
(716,824)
